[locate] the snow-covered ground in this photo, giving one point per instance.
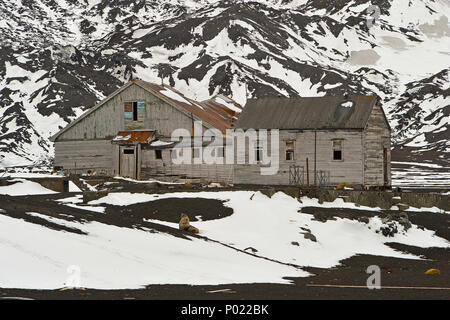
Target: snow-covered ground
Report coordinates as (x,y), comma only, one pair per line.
(270,225)
(414,174)
(111,257)
(31,175)
(75,202)
(22,187)
(146,181)
(107,256)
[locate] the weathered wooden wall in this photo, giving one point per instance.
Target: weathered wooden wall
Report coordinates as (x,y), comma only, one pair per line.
(376,137)
(210,173)
(349,170)
(81,156)
(106,121)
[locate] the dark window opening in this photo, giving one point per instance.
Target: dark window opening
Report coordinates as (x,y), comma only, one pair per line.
(337,155)
(258,151)
(289,155)
(337,150)
(128,151)
(289,150)
(158,154)
(135,111)
(258,154)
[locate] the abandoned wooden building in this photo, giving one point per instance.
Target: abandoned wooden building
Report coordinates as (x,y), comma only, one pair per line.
(124,134)
(322,141)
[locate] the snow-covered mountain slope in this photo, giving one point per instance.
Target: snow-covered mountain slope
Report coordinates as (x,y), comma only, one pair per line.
(58,57)
(421,116)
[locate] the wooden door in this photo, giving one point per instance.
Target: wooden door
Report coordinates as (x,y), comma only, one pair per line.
(385,167)
(128,162)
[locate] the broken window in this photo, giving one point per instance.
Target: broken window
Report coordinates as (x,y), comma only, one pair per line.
(337,149)
(128,110)
(134,110)
(140,110)
(290,150)
(158,154)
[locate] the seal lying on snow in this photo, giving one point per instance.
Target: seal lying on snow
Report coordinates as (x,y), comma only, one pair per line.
(184,224)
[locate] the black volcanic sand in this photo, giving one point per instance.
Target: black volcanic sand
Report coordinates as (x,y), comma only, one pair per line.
(170,209)
(123,216)
(352,271)
(17,207)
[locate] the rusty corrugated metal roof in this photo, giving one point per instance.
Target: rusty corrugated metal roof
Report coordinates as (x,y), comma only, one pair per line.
(223,106)
(217,115)
(328,112)
(131,137)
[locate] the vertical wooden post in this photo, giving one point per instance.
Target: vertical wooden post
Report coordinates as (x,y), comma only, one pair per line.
(315,157)
(307,172)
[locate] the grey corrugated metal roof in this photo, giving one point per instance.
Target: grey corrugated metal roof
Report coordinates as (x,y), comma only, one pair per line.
(328,112)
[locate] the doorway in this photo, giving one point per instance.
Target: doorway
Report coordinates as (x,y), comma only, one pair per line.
(128,160)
